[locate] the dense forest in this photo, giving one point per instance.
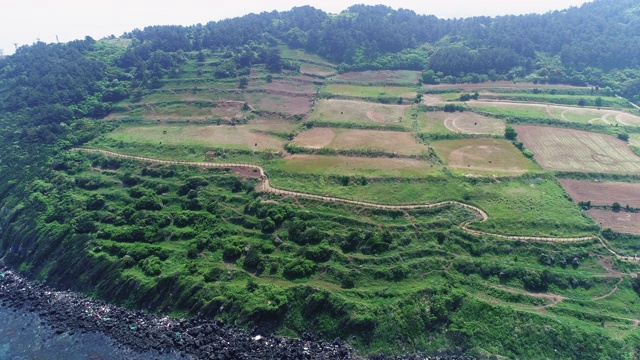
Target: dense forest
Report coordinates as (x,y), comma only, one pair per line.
(52,95)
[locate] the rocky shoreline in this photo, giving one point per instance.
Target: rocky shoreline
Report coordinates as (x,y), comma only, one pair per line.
(70,312)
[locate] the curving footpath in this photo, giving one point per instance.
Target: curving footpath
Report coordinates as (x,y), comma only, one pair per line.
(266,187)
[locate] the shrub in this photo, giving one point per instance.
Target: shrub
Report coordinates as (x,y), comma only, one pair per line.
(152,266)
(299,268)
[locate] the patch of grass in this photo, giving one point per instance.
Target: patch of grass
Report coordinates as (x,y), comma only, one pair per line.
(220,137)
(367,140)
(360,112)
(352,166)
(517,206)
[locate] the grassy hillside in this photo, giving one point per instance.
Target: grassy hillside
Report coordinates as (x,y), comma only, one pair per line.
(508,265)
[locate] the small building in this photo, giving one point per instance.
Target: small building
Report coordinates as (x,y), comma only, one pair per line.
(210,155)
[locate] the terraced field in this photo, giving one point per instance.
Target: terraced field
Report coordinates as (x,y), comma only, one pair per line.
(367,140)
(603,193)
(483,156)
(219,137)
(363,91)
(358,112)
(579,151)
(594,116)
(620,221)
(378,77)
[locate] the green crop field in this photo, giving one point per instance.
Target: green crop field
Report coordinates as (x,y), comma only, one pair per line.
(354,166)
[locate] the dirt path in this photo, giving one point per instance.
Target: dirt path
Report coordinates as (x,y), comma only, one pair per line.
(266,187)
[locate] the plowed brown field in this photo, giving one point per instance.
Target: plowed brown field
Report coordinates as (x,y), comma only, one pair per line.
(603,193)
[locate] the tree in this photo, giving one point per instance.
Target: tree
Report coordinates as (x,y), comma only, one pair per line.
(243,82)
(510,133)
(616,206)
(599,102)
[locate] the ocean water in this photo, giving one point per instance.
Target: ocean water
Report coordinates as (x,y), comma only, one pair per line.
(24,336)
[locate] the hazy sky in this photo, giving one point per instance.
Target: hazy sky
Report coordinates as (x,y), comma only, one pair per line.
(26,21)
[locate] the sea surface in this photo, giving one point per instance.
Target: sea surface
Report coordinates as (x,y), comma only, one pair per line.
(24,335)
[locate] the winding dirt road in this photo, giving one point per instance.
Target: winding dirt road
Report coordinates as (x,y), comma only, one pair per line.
(266,187)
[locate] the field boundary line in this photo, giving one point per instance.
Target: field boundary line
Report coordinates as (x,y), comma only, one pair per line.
(266,187)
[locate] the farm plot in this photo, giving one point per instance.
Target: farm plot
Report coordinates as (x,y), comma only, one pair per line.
(223,136)
(317,69)
(564,113)
(580,151)
(501,85)
(603,193)
(471,123)
(379,76)
(356,166)
(301,55)
(365,140)
(298,85)
(369,91)
(622,221)
(359,112)
(276,103)
(483,156)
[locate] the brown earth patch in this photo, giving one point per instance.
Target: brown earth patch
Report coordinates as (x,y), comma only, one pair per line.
(603,193)
(279,103)
(622,221)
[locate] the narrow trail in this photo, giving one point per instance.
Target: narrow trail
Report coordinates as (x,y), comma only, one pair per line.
(615,288)
(266,187)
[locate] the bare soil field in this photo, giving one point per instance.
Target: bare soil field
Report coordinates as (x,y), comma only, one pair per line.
(623,222)
(603,193)
(347,165)
(299,85)
(288,105)
(471,123)
(222,136)
(432,99)
(580,151)
(483,155)
(352,111)
(379,76)
(352,139)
